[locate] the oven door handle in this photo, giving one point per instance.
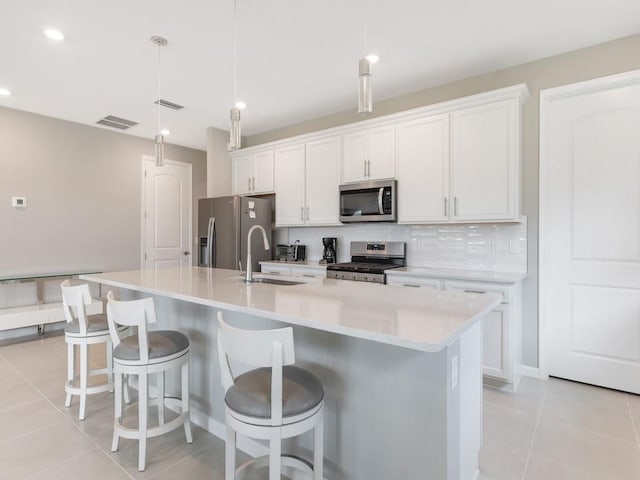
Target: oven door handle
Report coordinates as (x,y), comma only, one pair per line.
(380,207)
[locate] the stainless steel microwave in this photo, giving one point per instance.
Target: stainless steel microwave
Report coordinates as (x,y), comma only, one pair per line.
(368,201)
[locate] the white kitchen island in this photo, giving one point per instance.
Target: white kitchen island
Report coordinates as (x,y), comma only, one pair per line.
(401,368)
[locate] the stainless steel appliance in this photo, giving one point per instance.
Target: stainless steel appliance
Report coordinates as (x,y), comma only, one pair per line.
(223,224)
(291,253)
(369,261)
(368,201)
(330,253)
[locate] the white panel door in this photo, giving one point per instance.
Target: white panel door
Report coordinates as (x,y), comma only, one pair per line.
(354,159)
(382,153)
(289,186)
(590,232)
(322,179)
(423,170)
(484,162)
(242,175)
(263,169)
(166,214)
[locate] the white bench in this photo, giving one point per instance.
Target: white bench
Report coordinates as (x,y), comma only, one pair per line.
(27,301)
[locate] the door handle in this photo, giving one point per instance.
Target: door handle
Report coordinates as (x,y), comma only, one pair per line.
(186,253)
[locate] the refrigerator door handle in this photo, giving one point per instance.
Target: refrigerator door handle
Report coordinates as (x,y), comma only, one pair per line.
(210,242)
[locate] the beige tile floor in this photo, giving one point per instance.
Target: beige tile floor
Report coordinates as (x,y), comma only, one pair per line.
(548,430)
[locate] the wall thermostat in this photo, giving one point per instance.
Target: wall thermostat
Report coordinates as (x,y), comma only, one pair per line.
(18,202)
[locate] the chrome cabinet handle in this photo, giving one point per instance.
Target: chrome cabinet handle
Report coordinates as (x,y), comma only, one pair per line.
(302,213)
(365,168)
(368,168)
(307,214)
(249,183)
(308,275)
(475,291)
(445,206)
(455,206)
(253,180)
(410,285)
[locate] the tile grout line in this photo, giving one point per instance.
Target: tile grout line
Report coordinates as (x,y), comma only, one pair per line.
(535,431)
(633,424)
(77,427)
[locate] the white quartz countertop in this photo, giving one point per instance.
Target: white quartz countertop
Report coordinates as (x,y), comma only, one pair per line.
(418,319)
(460,274)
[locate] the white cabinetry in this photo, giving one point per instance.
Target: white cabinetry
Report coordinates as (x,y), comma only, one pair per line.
(306,184)
(423,170)
(302,271)
(485,162)
(461,167)
(369,154)
(253,174)
(502,338)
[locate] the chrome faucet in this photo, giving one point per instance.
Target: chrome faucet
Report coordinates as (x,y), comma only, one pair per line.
(249,276)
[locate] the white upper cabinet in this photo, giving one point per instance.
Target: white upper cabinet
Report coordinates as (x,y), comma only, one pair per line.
(462,166)
(290,185)
(322,179)
(485,161)
(253,174)
(423,170)
(369,154)
(307,178)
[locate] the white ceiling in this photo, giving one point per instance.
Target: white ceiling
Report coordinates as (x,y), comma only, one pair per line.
(297,59)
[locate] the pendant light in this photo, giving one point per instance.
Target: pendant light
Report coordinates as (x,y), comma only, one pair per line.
(235,138)
(159,139)
(365,94)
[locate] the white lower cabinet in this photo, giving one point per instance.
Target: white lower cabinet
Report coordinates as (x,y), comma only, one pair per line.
(502,338)
(303,271)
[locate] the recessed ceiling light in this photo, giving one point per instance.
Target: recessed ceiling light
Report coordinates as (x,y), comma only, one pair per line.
(241,105)
(373,58)
(165,131)
(4,92)
(54,34)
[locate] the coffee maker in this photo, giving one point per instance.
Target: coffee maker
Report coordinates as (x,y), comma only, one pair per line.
(329,254)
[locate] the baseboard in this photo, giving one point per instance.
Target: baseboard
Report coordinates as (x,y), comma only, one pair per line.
(532,372)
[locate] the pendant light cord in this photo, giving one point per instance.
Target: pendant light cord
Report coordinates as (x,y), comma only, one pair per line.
(159,46)
(235,51)
(364,41)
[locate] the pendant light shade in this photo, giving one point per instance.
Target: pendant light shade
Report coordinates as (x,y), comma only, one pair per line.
(365,94)
(234,132)
(159,139)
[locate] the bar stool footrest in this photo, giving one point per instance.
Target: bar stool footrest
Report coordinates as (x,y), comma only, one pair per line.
(134,433)
(286,460)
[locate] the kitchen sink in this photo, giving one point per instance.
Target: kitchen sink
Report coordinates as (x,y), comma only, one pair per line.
(272,281)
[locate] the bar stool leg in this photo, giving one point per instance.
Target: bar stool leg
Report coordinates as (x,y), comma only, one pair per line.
(230,454)
(118,411)
(71,371)
(275,452)
(318,451)
(84,378)
(184,377)
(110,365)
(160,394)
(143,387)
(127,398)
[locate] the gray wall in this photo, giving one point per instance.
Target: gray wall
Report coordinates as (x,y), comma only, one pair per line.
(83,190)
(218,163)
(597,61)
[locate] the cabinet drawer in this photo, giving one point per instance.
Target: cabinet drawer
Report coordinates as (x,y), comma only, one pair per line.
(479,287)
(308,272)
(414,281)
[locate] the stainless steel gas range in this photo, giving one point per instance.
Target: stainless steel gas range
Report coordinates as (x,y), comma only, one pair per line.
(369,261)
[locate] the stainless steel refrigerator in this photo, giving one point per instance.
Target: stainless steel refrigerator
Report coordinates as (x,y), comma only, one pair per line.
(223,224)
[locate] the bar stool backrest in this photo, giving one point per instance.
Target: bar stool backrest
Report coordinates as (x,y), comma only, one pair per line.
(256,348)
(132,313)
(74,299)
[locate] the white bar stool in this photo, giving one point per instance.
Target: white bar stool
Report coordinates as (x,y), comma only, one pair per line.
(271,403)
(83,330)
(143,354)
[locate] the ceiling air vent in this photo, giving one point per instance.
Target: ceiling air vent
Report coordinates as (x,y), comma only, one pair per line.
(116,122)
(168,104)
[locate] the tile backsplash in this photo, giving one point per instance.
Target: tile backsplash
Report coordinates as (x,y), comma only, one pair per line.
(492,247)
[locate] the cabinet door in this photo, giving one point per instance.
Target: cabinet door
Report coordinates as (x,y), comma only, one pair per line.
(263,167)
(414,281)
(289,185)
(495,340)
(242,174)
(382,153)
(322,179)
(485,162)
(354,159)
(423,170)
(275,269)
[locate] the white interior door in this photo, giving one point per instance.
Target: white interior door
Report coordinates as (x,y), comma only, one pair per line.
(166,218)
(590,231)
